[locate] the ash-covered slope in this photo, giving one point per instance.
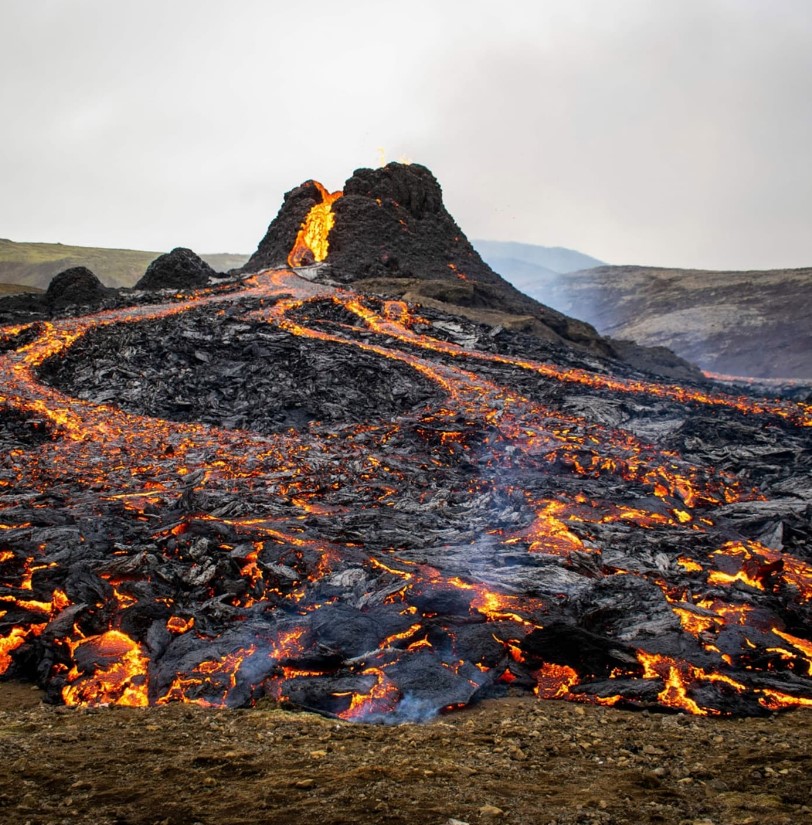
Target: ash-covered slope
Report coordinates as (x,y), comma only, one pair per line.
(389,232)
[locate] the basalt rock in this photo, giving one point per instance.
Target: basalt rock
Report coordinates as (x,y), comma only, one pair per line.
(77,285)
(74,287)
(391,222)
(283,490)
(659,360)
(179,269)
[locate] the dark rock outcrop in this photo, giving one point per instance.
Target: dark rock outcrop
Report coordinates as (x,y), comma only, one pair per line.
(392,222)
(179,269)
(75,286)
(659,360)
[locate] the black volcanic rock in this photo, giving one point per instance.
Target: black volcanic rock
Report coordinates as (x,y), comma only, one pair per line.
(391,225)
(179,269)
(273,249)
(75,286)
(392,222)
(659,360)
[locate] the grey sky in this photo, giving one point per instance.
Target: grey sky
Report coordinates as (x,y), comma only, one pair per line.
(672,132)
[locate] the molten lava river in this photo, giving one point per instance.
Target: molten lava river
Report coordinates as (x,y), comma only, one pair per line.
(478,539)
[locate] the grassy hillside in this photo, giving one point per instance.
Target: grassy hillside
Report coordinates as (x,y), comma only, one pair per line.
(35,264)
(16,289)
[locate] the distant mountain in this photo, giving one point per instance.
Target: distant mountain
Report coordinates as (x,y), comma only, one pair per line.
(35,264)
(756,324)
(531,268)
(535,270)
(551,258)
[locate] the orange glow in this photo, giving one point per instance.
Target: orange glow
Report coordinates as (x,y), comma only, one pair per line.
(99,445)
(678,676)
(311,245)
(177,624)
(9,643)
(804,646)
(554,681)
(382,697)
(548,533)
(120,676)
(694,623)
(718,577)
(775,700)
(222,674)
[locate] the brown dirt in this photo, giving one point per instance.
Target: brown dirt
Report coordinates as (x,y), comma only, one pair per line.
(506,761)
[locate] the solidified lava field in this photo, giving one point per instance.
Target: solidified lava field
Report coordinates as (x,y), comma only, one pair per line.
(286,491)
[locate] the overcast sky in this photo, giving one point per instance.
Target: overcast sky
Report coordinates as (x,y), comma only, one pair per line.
(671,132)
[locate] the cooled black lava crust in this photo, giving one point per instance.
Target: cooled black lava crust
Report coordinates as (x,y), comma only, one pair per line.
(234,373)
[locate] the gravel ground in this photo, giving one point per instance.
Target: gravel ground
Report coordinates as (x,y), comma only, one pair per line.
(513,760)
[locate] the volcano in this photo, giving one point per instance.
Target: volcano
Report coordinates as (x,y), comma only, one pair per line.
(365,476)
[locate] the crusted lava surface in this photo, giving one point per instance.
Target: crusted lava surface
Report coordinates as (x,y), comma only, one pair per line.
(281,488)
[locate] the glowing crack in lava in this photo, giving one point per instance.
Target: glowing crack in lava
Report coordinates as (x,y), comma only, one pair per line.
(145,561)
(312,244)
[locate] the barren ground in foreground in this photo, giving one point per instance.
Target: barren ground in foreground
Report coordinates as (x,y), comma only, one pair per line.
(507,761)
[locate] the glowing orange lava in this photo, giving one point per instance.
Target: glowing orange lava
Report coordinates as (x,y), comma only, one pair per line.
(311,245)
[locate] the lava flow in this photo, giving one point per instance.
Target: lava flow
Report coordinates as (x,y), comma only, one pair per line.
(312,243)
(279,488)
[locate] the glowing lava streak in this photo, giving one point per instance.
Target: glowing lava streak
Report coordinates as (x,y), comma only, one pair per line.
(143,461)
(311,243)
(120,675)
(554,681)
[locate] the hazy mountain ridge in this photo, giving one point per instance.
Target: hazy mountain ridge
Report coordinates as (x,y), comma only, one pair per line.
(551,258)
(753,323)
(756,323)
(35,264)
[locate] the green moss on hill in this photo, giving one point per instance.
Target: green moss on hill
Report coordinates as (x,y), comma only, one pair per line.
(35,264)
(16,289)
